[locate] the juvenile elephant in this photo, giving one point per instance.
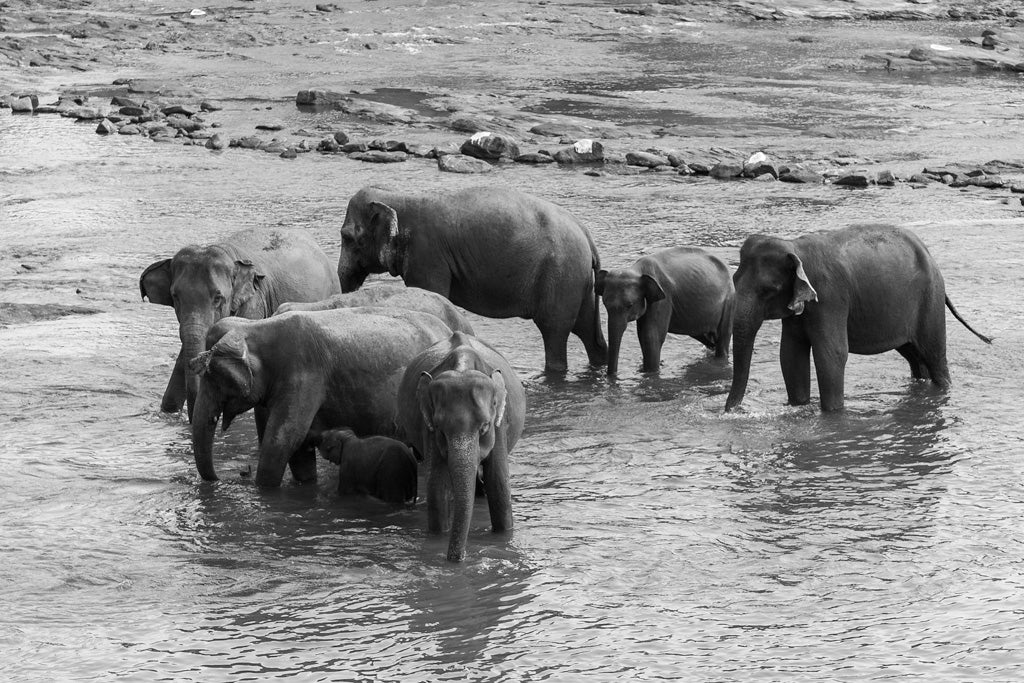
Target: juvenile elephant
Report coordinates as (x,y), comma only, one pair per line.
(377,466)
(305,372)
(396,296)
(462,405)
(682,290)
(493,251)
(862,289)
(249,274)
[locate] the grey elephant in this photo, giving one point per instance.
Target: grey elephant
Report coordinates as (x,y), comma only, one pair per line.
(682,290)
(862,289)
(493,251)
(397,296)
(376,466)
(248,274)
(462,406)
(303,373)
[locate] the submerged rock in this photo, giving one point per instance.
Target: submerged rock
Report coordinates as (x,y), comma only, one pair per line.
(581,152)
(376,156)
(645,159)
(461,163)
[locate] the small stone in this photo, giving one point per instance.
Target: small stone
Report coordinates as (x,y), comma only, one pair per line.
(645,159)
(129,129)
(885,177)
(855,179)
(765,178)
(340,137)
(461,163)
(350,147)
(106,127)
(375,156)
(921,179)
(216,142)
(248,142)
(726,171)
(207,105)
(535,158)
(270,125)
(800,175)
(289,154)
(179,109)
(698,168)
(582,152)
(676,160)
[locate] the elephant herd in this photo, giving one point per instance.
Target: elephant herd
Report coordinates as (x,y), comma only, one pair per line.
(378,378)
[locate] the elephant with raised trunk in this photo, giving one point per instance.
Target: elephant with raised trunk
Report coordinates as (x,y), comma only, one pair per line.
(493,251)
(248,274)
(682,290)
(392,296)
(304,373)
(862,289)
(462,406)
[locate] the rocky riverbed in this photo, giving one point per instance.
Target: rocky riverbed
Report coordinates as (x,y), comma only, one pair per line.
(853,93)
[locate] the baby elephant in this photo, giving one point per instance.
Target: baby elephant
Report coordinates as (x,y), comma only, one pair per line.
(682,290)
(377,466)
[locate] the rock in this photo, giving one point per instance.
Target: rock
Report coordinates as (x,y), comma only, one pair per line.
(460,163)
(340,137)
(20,105)
(32,97)
(270,125)
(469,124)
(800,175)
(183,123)
(725,171)
(388,145)
(329,145)
(122,101)
(131,111)
(765,178)
(439,151)
(921,179)
(645,159)
(248,142)
(274,146)
(350,147)
(535,158)
(1017,188)
(485,145)
(289,154)
(885,177)
(676,160)
(990,182)
(853,179)
(179,109)
(583,151)
(375,156)
(216,142)
(129,129)
(106,127)
(207,105)
(698,168)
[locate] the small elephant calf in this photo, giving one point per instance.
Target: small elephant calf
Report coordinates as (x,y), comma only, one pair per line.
(377,465)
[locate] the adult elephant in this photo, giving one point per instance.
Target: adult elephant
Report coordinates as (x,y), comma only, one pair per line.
(494,251)
(862,289)
(248,274)
(462,406)
(391,296)
(682,290)
(304,373)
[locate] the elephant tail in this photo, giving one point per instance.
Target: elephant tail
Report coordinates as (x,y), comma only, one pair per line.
(956,314)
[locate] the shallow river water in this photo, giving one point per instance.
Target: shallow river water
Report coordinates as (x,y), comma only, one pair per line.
(656,538)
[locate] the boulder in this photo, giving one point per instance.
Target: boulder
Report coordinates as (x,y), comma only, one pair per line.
(375,156)
(535,158)
(179,109)
(341,137)
(585,151)
(676,159)
(759,164)
(329,145)
(698,168)
(130,129)
(645,159)
(106,127)
(485,145)
(853,179)
(800,175)
(725,171)
(216,142)
(885,177)
(19,105)
(460,163)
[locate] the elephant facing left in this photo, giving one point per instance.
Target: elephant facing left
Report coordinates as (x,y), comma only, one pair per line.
(248,274)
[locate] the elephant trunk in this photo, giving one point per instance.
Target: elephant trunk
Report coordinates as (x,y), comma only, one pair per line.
(462,465)
(616,328)
(204,424)
(745,327)
(350,274)
(193,342)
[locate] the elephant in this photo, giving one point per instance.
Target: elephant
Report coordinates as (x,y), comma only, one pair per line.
(862,289)
(412,298)
(493,251)
(248,274)
(303,373)
(682,290)
(377,466)
(462,406)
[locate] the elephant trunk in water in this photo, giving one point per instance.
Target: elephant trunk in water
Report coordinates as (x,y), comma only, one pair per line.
(744,331)
(463,460)
(193,342)
(616,328)
(204,425)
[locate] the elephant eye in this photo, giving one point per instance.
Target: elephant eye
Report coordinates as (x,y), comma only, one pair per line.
(484,428)
(218,300)
(347,239)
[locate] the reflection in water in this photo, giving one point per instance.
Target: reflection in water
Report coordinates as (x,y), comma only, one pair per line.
(655,537)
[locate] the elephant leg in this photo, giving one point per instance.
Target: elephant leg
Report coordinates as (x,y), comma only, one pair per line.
(260,414)
(284,435)
(795,359)
(917,367)
(830,365)
(555,355)
(651,333)
(438,497)
(174,394)
(931,349)
(724,333)
(303,464)
(588,329)
(499,493)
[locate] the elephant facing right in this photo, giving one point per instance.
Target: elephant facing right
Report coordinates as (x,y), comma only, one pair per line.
(862,289)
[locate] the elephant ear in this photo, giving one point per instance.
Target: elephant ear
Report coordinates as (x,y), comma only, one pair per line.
(500,397)
(155,283)
(599,281)
(387,238)
(228,364)
(803,291)
(652,290)
(244,285)
(424,401)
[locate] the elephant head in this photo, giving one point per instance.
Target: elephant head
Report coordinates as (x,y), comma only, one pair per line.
(463,412)
(203,284)
(771,284)
(371,241)
(229,388)
(626,295)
